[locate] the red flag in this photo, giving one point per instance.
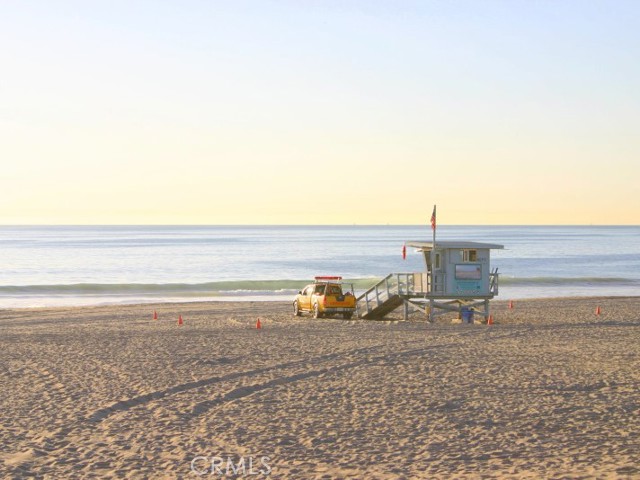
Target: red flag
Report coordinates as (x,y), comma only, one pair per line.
(404,252)
(433,218)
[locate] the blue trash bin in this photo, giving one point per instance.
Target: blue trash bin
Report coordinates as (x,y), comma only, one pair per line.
(466,314)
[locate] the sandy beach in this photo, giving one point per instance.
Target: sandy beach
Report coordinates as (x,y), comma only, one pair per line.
(550,391)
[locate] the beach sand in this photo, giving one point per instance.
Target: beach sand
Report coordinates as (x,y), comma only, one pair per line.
(550,391)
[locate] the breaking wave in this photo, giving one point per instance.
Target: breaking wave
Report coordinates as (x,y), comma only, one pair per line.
(568,281)
(226,288)
(261,287)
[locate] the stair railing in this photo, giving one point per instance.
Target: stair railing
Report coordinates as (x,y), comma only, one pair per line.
(391,285)
(493,282)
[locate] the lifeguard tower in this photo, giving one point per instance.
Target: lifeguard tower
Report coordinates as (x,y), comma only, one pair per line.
(457,277)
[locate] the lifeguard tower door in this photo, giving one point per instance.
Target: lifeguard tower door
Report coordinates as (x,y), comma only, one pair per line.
(435,273)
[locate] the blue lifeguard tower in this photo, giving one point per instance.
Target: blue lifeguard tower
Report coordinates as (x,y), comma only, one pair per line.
(457,277)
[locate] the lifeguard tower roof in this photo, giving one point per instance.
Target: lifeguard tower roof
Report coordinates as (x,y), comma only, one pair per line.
(453,244)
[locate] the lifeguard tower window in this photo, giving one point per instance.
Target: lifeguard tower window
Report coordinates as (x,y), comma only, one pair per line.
(469,255)
(437,261)
(468,272)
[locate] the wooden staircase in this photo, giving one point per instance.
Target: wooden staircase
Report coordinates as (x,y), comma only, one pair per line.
(385,296)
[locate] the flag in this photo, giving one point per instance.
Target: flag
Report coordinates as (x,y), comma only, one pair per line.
(404,252)
(433,218)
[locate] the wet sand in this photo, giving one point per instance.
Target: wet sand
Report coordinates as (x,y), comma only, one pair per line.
(550,391)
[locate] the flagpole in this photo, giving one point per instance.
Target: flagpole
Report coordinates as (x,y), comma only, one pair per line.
(433,251)
(433,265)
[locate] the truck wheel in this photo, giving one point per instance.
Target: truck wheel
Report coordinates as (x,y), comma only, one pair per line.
(347,316)
(316,311)
(296,309)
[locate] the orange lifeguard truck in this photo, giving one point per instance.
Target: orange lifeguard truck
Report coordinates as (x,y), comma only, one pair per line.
(325,297)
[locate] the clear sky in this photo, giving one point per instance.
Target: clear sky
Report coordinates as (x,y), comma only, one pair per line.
(319,112)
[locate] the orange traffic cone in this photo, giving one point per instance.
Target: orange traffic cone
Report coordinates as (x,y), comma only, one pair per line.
(490,320)
(510,304)
(180,322)
(258,324)
(598,310)
(155,315)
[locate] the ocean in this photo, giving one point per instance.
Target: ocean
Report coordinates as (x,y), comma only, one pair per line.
(94,265)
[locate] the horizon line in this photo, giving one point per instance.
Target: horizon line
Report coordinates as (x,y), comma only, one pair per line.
(426,225)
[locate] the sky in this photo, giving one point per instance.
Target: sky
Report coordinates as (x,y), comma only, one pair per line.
(319,112)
